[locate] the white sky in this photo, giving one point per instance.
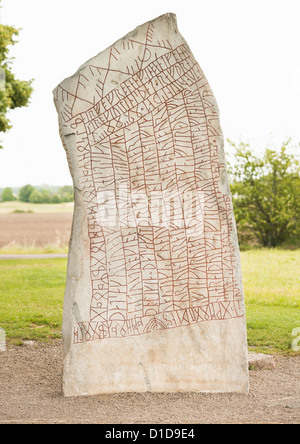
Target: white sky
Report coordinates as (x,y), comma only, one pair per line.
(248,49)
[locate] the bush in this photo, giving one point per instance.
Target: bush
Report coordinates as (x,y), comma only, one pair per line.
(266,195)
(56,199)
(36,197)
(25,192)
(8,195)
(66,194)
(44,196)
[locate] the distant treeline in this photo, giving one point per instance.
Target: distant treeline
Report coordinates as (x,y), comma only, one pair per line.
(38,195)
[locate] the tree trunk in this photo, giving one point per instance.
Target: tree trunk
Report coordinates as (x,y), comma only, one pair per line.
(270,240)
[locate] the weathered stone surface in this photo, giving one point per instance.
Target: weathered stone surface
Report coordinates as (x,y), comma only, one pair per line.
(29,344)
(154,297)
(261,361)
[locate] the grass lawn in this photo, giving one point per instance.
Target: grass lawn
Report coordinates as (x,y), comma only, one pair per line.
(32,292)
(272,292)
(31,298)
(49,249)
(16,206)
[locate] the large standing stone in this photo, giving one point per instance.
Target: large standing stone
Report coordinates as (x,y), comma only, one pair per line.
(154,298)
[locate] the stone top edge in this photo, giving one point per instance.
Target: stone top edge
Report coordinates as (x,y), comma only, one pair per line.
(169,17)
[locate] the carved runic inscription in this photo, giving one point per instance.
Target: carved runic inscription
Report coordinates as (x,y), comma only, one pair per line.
(148,144)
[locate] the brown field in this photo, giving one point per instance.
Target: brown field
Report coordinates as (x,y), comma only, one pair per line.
(35,230)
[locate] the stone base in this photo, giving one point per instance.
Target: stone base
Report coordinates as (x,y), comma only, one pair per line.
(193,358)
(260,361)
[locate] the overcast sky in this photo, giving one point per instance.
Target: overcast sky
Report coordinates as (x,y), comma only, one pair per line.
(248,49)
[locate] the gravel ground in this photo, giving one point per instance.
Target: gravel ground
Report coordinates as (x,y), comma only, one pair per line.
(30,392)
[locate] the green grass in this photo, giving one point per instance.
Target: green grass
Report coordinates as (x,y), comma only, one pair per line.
(19,249)
(32,292)
(22,207)
(31,298)
(272,292)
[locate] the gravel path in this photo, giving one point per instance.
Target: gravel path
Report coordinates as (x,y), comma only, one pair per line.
(30,392)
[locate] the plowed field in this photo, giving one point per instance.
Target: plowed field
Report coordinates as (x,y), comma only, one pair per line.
(35,230)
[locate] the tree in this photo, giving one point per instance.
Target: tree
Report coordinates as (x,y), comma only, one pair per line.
(25,192)
(266,194)
(14,93)
(66,193)
(40,197)
(45,196)
(55,199)
(35,197)
(8,195)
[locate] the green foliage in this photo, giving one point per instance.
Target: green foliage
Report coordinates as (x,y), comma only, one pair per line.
(56,199)
(14,93)
(22,212)
(8,195)
(266,194)
(44,196)
(40,197)
(66,194)
(25,193)
(35,197)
